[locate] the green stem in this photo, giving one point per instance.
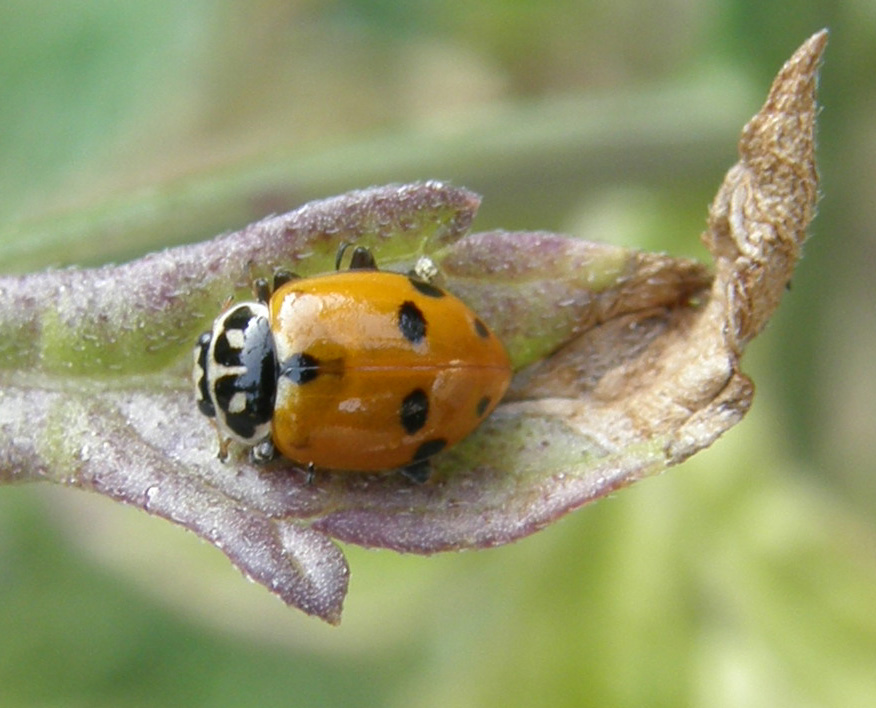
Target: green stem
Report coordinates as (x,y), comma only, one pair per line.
(543,151)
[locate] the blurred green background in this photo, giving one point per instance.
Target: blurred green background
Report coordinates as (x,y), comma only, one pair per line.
(745,577)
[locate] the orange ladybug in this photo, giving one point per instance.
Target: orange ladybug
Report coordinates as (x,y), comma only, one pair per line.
(357,370)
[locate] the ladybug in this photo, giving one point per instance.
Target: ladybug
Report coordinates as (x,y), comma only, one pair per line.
(356,370)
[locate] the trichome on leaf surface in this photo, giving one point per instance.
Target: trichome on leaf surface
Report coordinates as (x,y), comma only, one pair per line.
(626,363)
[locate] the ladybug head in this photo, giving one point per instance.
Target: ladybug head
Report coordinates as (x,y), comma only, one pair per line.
(235,373)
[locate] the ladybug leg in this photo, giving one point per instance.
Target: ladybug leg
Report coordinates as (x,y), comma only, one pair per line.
(263,452)
(224,442)
(309,475)
(362,258)
(223,447)
(281,277)
(261,290)
(418,472)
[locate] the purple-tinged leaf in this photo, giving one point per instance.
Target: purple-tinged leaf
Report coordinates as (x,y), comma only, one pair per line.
(627,364)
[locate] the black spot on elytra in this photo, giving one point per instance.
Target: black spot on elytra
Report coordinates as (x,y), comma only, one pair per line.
(426,289)
(482,406)
(414,411)
(481,328)
(300,368)
(429,448)
(419,470)
(411,322)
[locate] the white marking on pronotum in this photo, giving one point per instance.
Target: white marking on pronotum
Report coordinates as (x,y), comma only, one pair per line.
(237,404)
(235,338)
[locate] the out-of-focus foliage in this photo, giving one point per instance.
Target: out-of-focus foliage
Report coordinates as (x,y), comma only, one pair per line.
(745,577)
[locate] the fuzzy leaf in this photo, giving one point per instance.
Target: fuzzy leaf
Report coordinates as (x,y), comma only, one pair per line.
(627,363)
